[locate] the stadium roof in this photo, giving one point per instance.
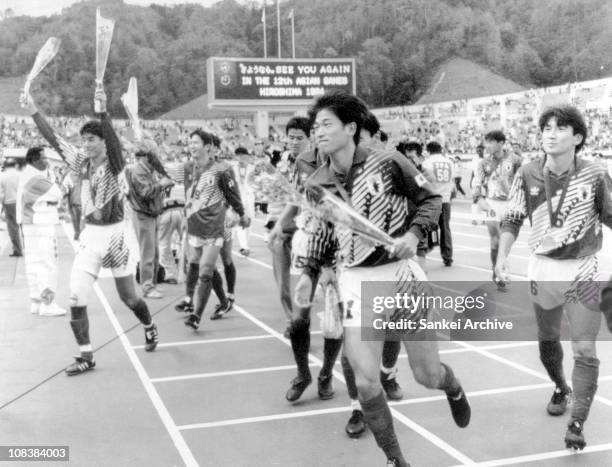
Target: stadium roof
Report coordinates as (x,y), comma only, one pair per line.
(463,79)
(10,88)
(197,109)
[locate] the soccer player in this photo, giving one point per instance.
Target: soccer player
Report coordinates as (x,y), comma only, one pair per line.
(474,169)
(37,201)
(379,185)
(567,199)
(9,180)
(492,183)
(298,134)
(103,240)
(212,189)
(439,170)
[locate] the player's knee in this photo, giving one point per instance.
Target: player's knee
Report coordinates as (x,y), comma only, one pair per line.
(427,375)
(206,272)
(584,349)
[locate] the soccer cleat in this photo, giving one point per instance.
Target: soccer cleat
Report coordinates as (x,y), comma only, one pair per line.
(501,285)
(395,462)
(325,387)
(389,383)
(448,262)
(221,310)
(460,408)
(151,338)
(192,321)
(245,252)
(574,438)
(153,293)
(52,309)
(559,401)
(356,424)
(81,365)
(298,386)
(184,306)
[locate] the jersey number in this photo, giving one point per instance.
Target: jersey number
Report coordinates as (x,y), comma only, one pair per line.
(442,172)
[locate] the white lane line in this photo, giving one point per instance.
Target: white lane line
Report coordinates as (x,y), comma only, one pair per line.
(207,341)
(166,379)
(164,415)
(432,438)
(309,413)
(544,456)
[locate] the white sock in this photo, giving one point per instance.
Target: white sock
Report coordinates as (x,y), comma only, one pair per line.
(355,405)
(86,348)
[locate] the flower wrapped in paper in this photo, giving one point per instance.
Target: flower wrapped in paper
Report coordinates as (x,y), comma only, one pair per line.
(337,211)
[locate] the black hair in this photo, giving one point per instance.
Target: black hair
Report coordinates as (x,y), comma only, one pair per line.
(433,147)
(383,136)
(348,109)
(33,154)
(566,115)
(371,124)
(241,151)
(299,123)
(414,146)
(93,127)
(206,138)
(495,135)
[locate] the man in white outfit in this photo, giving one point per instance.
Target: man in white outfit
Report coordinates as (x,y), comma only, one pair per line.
(37,201)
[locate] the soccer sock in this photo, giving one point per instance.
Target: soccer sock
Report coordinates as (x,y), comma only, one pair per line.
(494,256)
(331,349)
(193,271)
(390,353)
(230,277)
(378,417)
(141,311)
(203,294)
(79,322)
(355,404)
(300,343)
(551,356)
(349,377)
(448,382)
(217,286)
(584,379)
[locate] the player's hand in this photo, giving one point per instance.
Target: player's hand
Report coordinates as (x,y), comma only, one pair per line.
(100,97)
(303,291)
(245,221)
(165,182)
(276,235)
(483,205)
(404,247)
(27,103)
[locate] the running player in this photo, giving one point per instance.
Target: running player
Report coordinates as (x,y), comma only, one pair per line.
(212,189)
(567,198)
(103,241)
(492,183)
(379,185)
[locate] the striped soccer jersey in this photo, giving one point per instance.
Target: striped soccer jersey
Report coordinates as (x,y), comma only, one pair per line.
(212,190)
(586,206)
(387,189)
(101,194)
(493,177)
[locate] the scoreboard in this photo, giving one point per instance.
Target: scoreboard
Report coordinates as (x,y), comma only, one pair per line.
(260,82)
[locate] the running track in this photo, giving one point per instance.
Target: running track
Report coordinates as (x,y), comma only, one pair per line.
(216,397)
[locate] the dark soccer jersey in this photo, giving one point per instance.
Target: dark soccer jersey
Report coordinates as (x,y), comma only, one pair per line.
(212,190)
(493,177)
(101,195)
(586,206)
(388,190)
